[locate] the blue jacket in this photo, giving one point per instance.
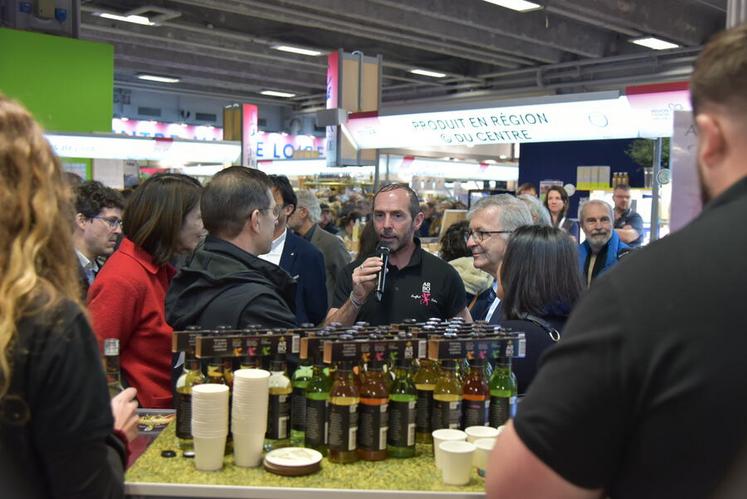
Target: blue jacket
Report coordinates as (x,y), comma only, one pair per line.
(615,249)
(306,264)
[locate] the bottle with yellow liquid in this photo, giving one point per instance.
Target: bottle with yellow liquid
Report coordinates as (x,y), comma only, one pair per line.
(343,416)
(425,381)
(317,407)
(278,432)
(447,398)
(190,377)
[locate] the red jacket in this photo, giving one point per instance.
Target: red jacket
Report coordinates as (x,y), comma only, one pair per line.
(126,301)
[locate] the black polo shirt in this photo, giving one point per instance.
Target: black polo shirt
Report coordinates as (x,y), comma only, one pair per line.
(629,217)
(426,287)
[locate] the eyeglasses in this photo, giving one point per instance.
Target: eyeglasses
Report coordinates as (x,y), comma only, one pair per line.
(481,235)
(112,222)
(275,210)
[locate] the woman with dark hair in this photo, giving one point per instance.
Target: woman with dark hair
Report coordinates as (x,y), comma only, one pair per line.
(57,434)
(538,283)
(454,250)
(557,202)
(126,301)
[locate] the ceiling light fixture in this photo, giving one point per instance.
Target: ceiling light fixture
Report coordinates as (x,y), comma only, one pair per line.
(654,43)
(296,50)
(517,5)
(158,78)
(128,19)
(425,72)
(274,93)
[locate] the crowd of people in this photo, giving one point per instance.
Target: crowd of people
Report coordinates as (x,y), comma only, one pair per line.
(619,380)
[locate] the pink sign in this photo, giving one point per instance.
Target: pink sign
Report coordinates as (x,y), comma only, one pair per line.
(249,120)
(333,96)
(158,129)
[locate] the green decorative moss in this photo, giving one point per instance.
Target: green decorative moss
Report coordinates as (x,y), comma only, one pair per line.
(417,473)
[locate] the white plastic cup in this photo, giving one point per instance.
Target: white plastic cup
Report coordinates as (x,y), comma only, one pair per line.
(445,435)
(209,452)
(456,460)
(475,433)
(483,448)
(247,449)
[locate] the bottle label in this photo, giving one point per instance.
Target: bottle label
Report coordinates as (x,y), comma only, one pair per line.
(279,415)
(475,413)
(343,427)
(298,409)
(501,409)
(373,426)
(401,424)
(424,408)
(183,405)
(316,423)
(446,414)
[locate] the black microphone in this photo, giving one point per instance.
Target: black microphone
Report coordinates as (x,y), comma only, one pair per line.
(383,253)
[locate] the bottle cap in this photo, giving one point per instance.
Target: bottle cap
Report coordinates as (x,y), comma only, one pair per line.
(111,346)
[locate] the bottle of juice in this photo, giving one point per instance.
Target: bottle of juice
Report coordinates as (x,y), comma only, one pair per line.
(476,396)
(502,393)
(277,434)
(374,414)
(191,376)
(447,398)
(300,380)
(425,381)
(317,402)
(402,401)
(343,416)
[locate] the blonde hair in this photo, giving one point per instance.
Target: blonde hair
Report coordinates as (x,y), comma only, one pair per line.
(37,259)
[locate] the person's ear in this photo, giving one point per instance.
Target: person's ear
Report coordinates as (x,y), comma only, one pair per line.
(80,221)
(419,220)
(711,143)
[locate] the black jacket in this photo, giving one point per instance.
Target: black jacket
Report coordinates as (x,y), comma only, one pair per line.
(225,285)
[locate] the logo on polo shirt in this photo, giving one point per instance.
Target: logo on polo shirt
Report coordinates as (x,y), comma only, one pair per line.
(425,297)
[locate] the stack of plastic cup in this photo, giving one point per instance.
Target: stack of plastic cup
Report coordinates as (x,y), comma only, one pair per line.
(209,425)
(251,394)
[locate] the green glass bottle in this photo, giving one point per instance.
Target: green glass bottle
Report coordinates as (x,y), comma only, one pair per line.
(502,393)
(317,402)
(447,398)
(402,402)
(343,416)
(301,377)
(191,376)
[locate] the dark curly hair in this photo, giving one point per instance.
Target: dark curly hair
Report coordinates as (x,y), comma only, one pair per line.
(453,244)
(91,197)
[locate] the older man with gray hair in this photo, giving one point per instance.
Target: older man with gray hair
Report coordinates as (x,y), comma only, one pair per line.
(304,221)
(491,221)
(602,247)
(540,215)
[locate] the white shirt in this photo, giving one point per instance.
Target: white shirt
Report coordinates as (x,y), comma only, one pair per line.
(276,250)
(90,267)
(495,303)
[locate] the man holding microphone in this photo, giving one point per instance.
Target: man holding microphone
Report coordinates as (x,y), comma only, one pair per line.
(416,285)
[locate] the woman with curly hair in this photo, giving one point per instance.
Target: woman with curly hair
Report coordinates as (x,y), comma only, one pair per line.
(57,436)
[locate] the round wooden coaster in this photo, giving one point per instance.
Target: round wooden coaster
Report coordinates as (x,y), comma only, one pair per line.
(292,470)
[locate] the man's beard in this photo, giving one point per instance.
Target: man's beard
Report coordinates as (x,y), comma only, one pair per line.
(598,241)
(398,242)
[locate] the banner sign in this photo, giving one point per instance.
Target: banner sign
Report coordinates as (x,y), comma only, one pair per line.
(161,130)
(640,115)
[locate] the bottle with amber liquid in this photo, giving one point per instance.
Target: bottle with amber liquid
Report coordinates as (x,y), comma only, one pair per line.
(475,395)
(447,398)
(373,414)
(277,434)
(503,390)
(111,366)
(317,406)
(190,377)
(343,416)
(402,401)
(425,381)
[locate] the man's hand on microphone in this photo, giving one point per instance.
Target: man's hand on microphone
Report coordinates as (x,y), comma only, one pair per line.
(364,278)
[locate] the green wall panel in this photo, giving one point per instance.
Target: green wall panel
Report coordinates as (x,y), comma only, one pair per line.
(66,83)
